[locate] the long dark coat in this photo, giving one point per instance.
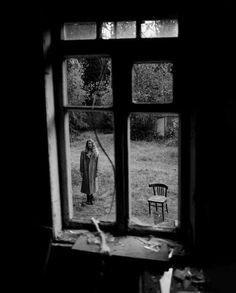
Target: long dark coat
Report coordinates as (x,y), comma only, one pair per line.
(88,169)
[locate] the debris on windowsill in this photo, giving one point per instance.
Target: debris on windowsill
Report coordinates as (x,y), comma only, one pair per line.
(171,251)
(151,245)
(92,239)
(104,248)
(130,246)
(156,246)
(175,249)
(70,236)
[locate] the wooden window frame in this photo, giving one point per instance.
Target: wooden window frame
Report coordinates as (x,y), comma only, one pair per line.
(168,50)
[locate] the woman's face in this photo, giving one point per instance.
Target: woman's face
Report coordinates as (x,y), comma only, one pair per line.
(90,145)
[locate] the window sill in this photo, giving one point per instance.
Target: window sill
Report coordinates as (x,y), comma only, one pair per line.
(131,248)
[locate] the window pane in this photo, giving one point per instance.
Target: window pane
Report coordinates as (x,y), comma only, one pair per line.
(159,28)
(82,125)
(89,81)
(126,30)
(108,30)
(80,31)
(119,30)
(152,83)
(154,155)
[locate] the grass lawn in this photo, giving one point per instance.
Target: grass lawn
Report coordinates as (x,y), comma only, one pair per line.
(149,162)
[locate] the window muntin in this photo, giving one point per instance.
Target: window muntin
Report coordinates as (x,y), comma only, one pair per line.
(154,157)
(152,83)
(88,80)
(83,125)
(80,31)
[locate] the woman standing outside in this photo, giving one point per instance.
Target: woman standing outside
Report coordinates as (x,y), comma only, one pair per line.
(89,169)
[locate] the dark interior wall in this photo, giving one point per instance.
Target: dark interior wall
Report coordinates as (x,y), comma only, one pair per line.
(209,83)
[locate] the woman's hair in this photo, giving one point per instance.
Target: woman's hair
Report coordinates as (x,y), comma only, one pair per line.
(94,147)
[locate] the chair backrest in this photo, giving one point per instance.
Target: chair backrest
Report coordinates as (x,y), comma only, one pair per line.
(159,189)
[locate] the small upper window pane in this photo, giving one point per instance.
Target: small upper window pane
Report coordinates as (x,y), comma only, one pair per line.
(108,30)
(126,29)
(152,83)
(80,31)
(119,30)
(159,28)
(88,81)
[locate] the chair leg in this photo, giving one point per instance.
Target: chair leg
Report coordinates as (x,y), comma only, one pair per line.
(162,208)
(166,207)
(149,206)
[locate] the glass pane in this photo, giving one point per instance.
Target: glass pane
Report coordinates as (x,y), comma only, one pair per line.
(152,83)
(82,125)
(154,156)
(126,29)
(80,31)
(119,30)
(89,81)
(108,30)
(159,28)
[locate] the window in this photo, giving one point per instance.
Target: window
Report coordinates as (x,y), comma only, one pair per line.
(80,31)
(163,28)
(152,83)
(159,28)
(117,83)
(89,85)
(154,155)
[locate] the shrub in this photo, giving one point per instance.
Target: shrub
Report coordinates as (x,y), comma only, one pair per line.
(75,176)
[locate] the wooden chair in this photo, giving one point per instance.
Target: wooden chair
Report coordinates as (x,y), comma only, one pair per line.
(159,199)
